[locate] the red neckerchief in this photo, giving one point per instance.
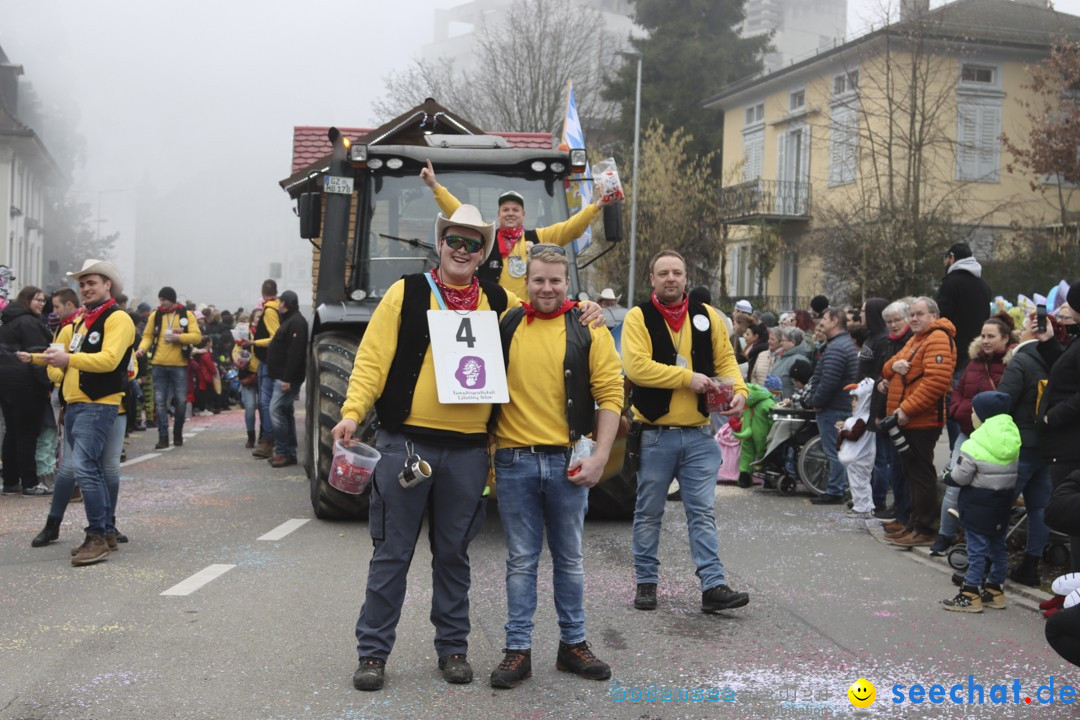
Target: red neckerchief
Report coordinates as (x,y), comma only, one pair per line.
(532,313)
(674,315)
(90,315)
(894,338)
(458,298)
(70,319)
(176,309)
(508,238)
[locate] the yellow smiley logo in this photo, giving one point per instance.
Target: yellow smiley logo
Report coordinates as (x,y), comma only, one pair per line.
(862,693)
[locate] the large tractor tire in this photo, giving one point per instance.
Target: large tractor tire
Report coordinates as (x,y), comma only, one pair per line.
(331,363)
(615,497)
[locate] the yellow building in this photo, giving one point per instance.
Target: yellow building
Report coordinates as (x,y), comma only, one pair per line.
(899,126)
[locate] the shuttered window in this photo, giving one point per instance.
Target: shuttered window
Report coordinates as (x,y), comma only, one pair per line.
(978,149)
(753,154)
(843,144)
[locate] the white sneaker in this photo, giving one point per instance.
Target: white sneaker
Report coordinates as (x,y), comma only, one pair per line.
(205,413)
(855,514)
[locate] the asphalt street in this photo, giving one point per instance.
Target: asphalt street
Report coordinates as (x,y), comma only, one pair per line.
(269,634)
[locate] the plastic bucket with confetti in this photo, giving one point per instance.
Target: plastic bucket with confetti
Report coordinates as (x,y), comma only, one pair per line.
(352,467)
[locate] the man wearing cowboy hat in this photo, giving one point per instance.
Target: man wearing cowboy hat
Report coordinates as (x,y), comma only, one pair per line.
(95,366)
(609,302)
(170,333)
(395,372)
(505,261)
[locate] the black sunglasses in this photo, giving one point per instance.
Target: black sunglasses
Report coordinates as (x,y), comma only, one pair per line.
(541,247)
(458,242)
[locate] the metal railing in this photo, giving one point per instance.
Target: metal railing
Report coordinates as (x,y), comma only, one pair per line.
(765,200)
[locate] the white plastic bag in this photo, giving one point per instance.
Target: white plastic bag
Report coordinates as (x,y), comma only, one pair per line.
(606,177)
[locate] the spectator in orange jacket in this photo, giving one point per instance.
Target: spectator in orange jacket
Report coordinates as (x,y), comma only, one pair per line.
(919,377)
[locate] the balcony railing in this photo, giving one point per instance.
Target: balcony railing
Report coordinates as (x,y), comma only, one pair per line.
(769,201)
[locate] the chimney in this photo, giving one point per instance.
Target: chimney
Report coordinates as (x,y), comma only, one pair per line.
(911,9)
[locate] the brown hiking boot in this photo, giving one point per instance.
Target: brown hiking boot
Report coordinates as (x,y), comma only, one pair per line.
(264,449)
(579,659)
(110,540)
(93,550)
(898,533)
(914,539)
(892,526)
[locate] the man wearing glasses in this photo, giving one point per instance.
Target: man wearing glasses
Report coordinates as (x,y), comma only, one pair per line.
(395,373)
(506,260)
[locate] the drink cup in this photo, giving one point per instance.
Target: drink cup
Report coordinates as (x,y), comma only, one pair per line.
(57,346)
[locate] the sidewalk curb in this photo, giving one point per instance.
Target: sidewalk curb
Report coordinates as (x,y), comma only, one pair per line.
(1017,594)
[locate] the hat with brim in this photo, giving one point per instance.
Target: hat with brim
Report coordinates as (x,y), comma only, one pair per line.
(468,216)
(744,306)
(105,269)
(609,294)
(512,195)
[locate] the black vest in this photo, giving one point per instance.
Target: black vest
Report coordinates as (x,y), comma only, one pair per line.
(98,385)
(491,269)
(261,333)
(654,403)
(580,404)
(395,403)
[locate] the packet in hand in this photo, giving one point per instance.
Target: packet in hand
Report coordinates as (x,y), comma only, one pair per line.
(606,177)
(583,448)
(719,399)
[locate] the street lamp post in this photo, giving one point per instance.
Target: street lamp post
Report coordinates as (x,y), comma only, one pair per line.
(633,196)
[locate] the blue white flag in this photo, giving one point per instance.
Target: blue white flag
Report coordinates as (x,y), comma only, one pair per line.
(579,188)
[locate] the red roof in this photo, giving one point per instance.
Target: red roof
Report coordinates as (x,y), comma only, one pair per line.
(310,144)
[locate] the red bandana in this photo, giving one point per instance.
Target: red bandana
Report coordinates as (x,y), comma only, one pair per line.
(458,298)
(674,315)
(70,318)
(90,315)
(531,313)
(508,238)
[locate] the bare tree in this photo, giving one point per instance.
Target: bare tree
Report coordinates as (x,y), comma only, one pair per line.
(523,64)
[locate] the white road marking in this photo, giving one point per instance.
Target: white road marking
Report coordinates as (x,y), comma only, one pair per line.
(196,581)
(141,458)
(188,436)
(166,449)
(284,529)
(198,429)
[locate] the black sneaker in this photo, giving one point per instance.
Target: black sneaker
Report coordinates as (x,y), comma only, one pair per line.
(940,546)
(827,499)
(646,596)
(885,514)
(515,667)
(456,669)
(178,441)
(722,597)
(370,674)
(579,659)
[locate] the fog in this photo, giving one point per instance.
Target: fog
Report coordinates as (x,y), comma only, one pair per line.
(187,109)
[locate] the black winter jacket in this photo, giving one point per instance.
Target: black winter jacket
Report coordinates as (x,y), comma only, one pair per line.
(873,354)
(1059,410)
(964,298)
(1063,512)
(1021,383)
(837,367)
(21,331)
(286,358)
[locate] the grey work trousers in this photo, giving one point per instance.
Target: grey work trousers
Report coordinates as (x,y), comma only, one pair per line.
(452,499)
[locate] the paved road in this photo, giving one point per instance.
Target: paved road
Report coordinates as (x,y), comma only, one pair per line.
(271,637)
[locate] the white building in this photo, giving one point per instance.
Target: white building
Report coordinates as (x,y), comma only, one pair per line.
(26,169)
(801,27)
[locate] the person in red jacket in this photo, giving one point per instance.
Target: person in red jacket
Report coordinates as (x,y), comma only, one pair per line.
(987,355)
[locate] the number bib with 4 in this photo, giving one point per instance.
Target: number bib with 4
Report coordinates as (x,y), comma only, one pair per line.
(467,351)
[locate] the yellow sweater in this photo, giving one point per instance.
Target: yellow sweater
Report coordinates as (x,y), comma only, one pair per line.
(373,360)
(272,320)
(119,336)
(646,372)
(170,354)
(557,234)
(536,413)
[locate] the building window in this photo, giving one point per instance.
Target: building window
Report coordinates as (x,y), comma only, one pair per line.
(978,127)
(753,154)
(797,100)
(755,114)
(843,145)
(845,83)
(978,74)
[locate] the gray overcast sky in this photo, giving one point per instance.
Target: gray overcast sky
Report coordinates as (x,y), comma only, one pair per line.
(173,93)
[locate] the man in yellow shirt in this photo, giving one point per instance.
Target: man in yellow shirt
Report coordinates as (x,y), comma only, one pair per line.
(96,362)
(673,347)
(506,260)
(267,327)
(557,372)
(169,333)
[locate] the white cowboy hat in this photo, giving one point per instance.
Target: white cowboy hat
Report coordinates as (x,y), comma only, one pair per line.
(100,267)
(468,216)
(609,294)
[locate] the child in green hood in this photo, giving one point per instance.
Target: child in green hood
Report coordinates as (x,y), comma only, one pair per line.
(986,475)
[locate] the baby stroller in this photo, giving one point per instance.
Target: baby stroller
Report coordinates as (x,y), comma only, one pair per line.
(794,453)
(1056,551)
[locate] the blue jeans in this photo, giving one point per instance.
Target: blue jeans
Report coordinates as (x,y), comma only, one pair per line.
(826,422)
(1033,482)
(170,386)
(887,468)
(249,398)
(266,394)
(982,549)
(952,494)
(65,477)
(281,414)
(535,493)
(86,430)
(693,457)
(880,478)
